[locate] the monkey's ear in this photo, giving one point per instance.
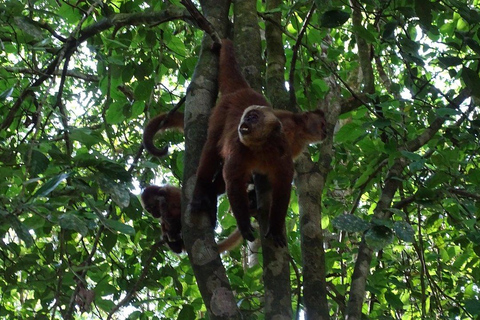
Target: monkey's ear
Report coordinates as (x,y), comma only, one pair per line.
(315,124)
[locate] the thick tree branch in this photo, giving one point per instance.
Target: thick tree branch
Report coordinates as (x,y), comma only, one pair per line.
(133,19)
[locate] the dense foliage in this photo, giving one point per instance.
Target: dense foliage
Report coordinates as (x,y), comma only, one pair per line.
(79,79)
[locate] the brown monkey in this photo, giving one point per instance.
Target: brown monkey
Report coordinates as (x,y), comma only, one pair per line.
(164,204)
(300,129)
(249,137)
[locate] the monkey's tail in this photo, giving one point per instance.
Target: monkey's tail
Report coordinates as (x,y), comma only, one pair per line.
(160,123)
(231,242)
(230,78)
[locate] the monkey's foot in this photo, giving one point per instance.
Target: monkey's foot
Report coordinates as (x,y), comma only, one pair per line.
(246,230)
(176,246)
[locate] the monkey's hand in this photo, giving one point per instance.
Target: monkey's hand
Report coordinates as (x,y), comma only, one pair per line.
(278,238)
(246,230)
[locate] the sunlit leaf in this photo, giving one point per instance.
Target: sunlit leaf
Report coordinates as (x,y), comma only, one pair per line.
(51,184)
(116,225)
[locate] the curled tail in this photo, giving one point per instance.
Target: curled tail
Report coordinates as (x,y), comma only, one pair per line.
(160,123)
(230,79)
(232,241)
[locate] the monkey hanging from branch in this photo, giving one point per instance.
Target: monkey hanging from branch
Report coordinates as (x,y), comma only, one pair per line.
(246,136)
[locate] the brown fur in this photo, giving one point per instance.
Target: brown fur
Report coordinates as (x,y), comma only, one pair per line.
(248,136)
(164,204)
(160,123)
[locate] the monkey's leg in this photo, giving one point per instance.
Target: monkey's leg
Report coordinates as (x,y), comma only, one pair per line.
(236,178)
(281,181)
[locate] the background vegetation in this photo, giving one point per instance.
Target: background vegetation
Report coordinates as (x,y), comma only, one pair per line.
(395,186)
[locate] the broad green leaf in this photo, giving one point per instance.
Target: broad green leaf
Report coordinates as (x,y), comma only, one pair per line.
(186,313)
(144,89)
(389,30)
(114,113)
(333,18)
(85,136)
(365,34)
(72,221)
(20,229)
(472,81)
(38,162)
(378,237)
(6,94)
(51,184)
(350,223)
(473,306)
(119,226)
(404,231)
(349,132)
(450,61)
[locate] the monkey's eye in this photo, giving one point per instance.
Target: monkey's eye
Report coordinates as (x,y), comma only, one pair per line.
(251,117)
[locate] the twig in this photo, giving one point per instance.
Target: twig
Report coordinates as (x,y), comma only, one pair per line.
(296,47)
(202,22)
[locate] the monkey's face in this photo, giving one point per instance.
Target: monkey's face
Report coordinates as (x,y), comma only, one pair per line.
(153,201)
(257,124)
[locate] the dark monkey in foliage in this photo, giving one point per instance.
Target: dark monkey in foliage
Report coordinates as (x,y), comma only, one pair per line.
(164,204)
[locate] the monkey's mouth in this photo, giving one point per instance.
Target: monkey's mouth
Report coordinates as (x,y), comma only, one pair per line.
(244,129)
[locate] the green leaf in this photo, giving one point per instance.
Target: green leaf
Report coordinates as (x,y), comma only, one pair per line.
(473,306)
(423,9)
(20,229)
(350,223)
(51,184)
(389,30)
(364,34)
(404,231)
(186,313)
(38,162)
(450,61)
(114,113)
(446,112)
(349,132)
(144,89)
(71,221)
(85,136)
(472,81)
(6,94)
(333,18)
(394,300)
(118,226)
(378,237)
